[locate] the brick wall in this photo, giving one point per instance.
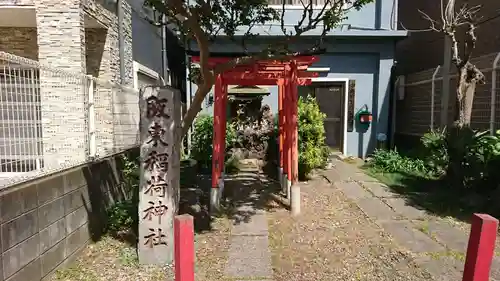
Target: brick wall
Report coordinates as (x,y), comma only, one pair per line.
(414,111)
(61,44)
(45,224)
(424,50)
(20,41)
(421,52)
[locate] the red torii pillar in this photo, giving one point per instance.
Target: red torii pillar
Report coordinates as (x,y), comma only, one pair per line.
(287,146)
(281,138)
(294,139)
(219,137)
(291,138)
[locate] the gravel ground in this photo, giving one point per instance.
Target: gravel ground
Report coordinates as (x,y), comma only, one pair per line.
(110,259)
(333,240)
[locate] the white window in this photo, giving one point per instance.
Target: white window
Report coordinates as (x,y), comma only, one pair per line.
(145,76)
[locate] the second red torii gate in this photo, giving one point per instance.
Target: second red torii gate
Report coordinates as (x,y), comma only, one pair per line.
(287,75)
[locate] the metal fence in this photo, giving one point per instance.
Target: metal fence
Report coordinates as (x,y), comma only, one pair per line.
(52,119)
(419,99)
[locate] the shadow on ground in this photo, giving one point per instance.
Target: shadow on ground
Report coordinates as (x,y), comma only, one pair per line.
(244,195)
(437,197)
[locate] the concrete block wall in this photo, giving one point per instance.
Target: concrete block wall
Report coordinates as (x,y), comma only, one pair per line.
(45,224)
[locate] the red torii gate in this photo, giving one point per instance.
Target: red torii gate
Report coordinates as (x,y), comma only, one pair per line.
(287,75)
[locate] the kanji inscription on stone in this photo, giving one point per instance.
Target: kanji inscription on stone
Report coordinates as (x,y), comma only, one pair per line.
(156,160)
(155,210)
(160,169)
(156,107)
(156,135)
(154,238)
(156,185)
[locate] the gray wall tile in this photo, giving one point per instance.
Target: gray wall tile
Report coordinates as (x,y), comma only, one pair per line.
(19,229)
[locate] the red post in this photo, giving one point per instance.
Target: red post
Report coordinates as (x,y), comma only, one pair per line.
(223,120)
(288,130)
(216,149)
(285,126)
(481,248)
(184,248)
(294,124)
(281,90)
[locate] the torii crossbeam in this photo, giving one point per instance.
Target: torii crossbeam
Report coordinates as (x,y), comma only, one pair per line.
(287,74)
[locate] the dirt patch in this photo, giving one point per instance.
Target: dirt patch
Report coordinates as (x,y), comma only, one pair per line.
(110,259)
(333,240)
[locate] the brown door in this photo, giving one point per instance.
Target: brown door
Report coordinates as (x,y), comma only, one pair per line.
(330,98)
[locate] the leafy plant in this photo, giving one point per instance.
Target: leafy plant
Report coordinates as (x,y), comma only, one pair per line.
(311,136)
(390,161)
(201,149)
(435,151)
(123,215)
(474,157)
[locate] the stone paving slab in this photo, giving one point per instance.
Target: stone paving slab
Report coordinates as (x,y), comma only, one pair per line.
(454,238)
(257,225)
(353,190)
(249,256)
(442,268)
(391,212)
(379,190)
(361,177)
(376,209)
(333,176)
(400,206)
(409,237)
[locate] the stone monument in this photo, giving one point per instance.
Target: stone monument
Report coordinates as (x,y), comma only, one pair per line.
(160,173)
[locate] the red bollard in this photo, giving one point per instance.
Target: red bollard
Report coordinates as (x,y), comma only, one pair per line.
(184,248)
(481,248)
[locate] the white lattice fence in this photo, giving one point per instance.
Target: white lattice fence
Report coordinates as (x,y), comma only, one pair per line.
(51,119)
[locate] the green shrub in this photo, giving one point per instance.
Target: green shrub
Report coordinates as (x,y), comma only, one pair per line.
(312,149)
(467,158)
(435,153)
(390,161)
(473,158)
(123,215)
(201,149)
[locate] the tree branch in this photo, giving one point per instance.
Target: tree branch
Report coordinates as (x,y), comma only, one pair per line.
(470,42)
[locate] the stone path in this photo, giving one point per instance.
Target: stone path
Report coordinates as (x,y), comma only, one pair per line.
(438,245)
(249,257)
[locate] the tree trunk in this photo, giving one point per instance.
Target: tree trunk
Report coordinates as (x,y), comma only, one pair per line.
(468,77)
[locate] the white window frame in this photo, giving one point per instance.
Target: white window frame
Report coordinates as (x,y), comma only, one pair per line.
(142,69)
